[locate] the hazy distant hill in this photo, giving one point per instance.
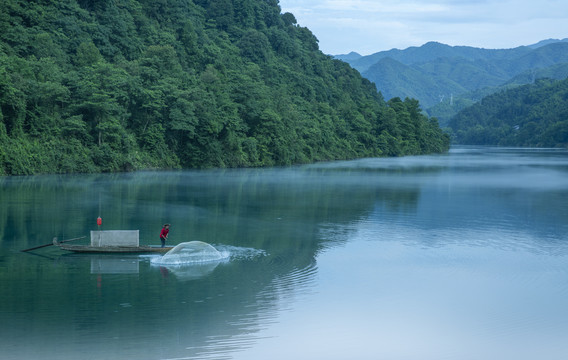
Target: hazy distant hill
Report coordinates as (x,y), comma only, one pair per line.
(533,115)
(432,51)
(546,42)
(395,79)
(445,109)
(444,78)
(557,71)
(352,56)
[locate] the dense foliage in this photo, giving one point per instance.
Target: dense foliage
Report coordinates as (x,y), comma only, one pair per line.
(533,115)
(89,86)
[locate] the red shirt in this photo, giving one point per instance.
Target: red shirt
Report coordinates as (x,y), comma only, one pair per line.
(164,233)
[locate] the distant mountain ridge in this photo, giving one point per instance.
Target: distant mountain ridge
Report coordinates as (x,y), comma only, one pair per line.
(349,57)
(433,50)
(546,42)
(446,78)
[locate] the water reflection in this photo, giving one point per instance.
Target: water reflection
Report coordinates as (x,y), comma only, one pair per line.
(192,272)
(508,201)
(114,265)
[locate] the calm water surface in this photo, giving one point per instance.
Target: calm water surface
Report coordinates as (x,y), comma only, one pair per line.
(461,256)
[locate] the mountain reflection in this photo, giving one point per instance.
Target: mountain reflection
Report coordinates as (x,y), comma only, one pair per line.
(142,311)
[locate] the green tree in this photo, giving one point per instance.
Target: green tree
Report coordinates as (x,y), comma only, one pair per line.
(87,54)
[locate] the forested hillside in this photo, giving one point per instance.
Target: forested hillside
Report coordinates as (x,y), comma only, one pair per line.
(91,86)
(395,79)
(446,79)
(533,115)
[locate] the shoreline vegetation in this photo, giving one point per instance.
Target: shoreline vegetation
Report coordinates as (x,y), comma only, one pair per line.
(92,86)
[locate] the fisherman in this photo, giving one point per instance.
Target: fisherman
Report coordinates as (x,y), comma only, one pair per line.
(164,234)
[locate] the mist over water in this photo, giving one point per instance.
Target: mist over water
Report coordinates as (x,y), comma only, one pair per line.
(455,256)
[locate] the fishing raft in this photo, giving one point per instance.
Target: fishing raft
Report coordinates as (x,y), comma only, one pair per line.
(113,241)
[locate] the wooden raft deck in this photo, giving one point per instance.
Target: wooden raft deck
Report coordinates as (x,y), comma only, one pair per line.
(114,249)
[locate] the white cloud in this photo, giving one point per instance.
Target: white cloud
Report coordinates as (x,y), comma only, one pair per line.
(384,7)
(368,26)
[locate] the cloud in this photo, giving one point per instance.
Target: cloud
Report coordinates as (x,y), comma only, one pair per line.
(368,26)
(384,7)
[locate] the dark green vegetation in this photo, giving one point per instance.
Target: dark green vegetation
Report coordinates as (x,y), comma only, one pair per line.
(534,115)
(446,79)
(90,86)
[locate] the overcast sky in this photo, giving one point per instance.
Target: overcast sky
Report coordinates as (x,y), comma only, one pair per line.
(369,26)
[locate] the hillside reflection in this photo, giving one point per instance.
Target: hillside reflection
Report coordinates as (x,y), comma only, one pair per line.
(291,214)
(182,312)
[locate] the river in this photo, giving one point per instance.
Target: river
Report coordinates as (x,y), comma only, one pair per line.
(460,256)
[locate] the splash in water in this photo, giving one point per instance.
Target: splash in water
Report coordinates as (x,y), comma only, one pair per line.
(193,252)
(196,259)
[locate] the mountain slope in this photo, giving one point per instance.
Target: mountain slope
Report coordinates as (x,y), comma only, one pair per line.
(444,110)
(399,80)
(556,72)
(89,86)
(457,75)
(352,56)
(546,42)
(544,56)
(528,115)
(432,51)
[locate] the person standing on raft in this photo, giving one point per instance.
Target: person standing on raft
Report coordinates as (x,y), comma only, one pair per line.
(164,234)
